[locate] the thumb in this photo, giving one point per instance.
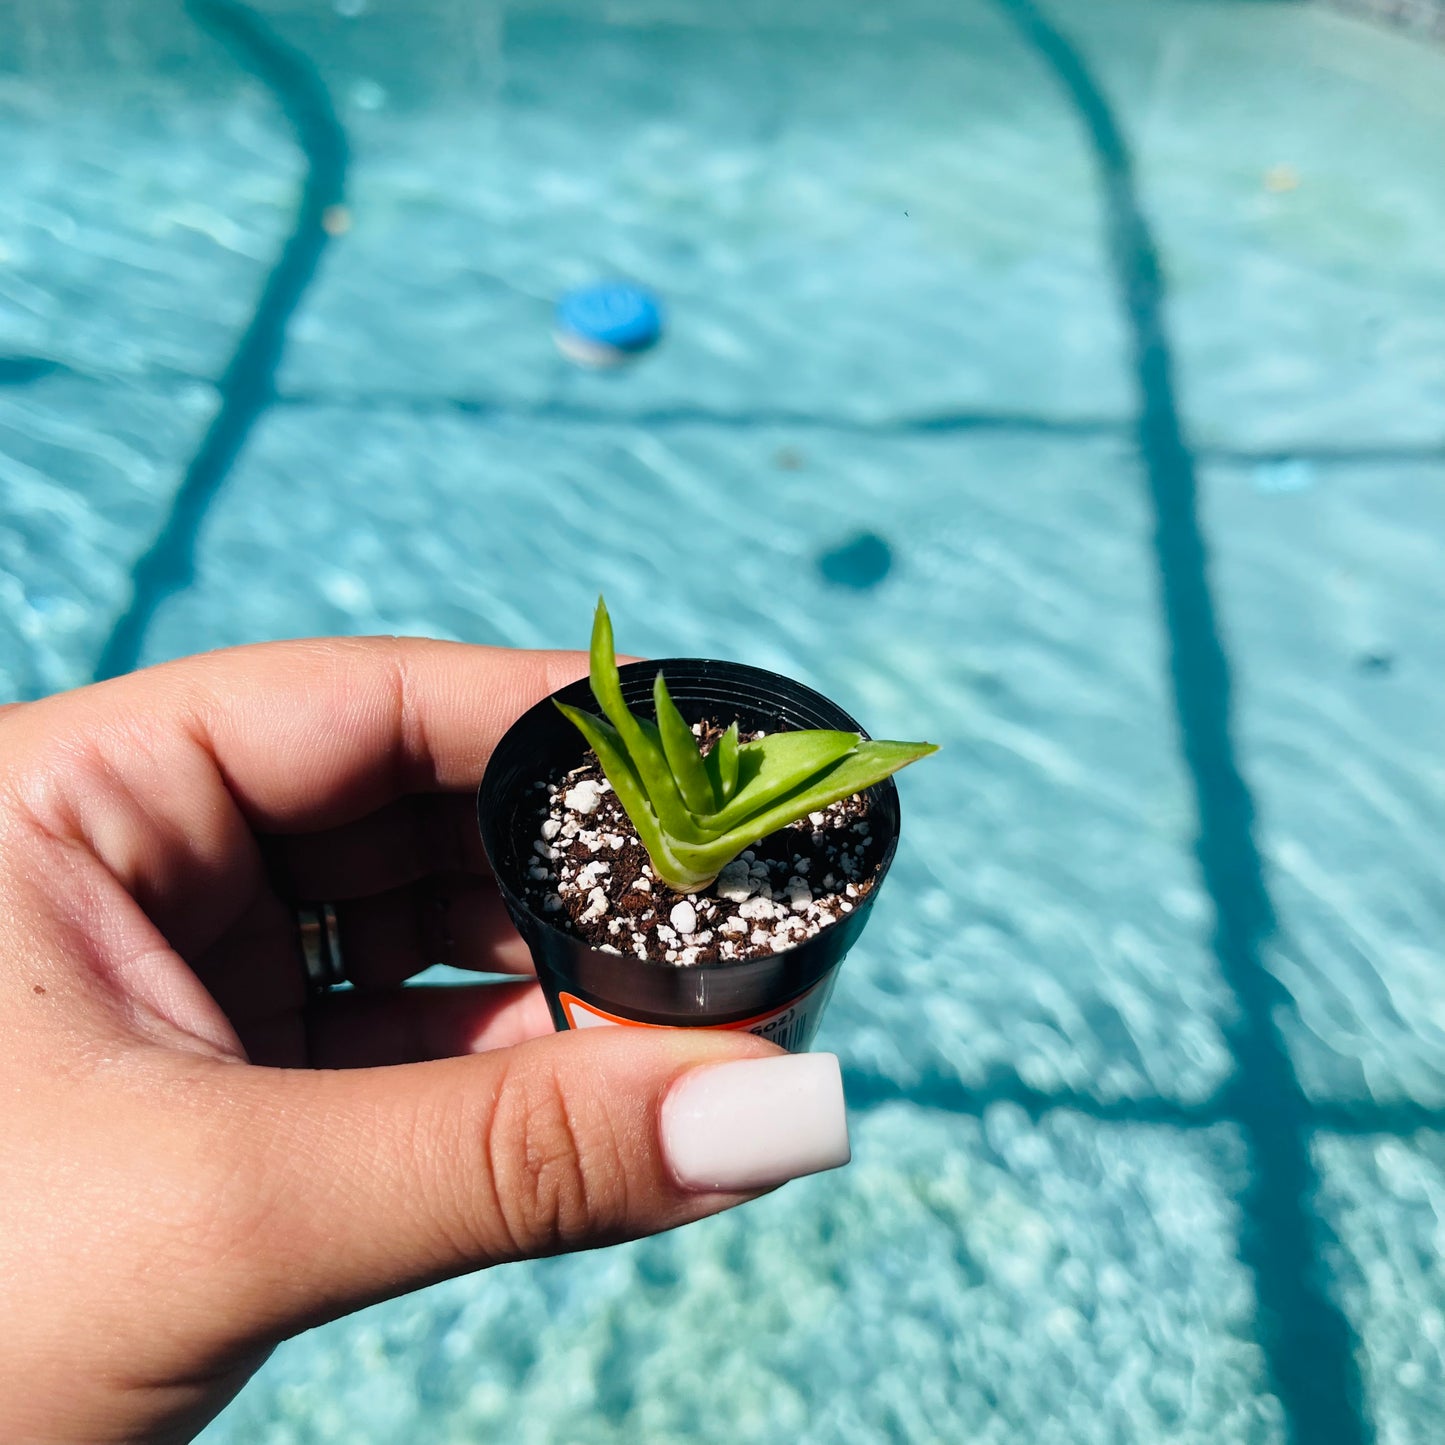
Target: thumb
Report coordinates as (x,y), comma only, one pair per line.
(377,1181)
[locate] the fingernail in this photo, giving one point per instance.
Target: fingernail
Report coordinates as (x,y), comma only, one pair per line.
(756,1122)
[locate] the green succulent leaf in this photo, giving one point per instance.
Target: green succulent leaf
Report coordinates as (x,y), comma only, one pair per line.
(607,689)
(771,767)
(695,814)
(640,739)
(683,755)
(606,742)
(722,766)
(870,764)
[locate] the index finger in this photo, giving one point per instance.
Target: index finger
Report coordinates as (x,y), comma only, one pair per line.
(315,733)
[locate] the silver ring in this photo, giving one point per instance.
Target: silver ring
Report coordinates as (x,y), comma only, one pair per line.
(320,946)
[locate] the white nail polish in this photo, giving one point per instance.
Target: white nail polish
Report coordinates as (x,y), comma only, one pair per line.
(755,1123)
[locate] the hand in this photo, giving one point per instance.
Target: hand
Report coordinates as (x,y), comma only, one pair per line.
(196,1159)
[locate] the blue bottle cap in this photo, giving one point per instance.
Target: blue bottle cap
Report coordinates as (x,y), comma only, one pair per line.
(614,315)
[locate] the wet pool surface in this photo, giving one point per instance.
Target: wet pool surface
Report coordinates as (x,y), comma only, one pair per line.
(1065,385)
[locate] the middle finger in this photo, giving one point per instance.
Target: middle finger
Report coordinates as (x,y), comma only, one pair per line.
(408,839)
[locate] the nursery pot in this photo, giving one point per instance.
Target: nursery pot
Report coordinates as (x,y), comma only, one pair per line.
(780,995)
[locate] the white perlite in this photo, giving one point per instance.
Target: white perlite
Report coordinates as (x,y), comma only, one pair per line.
(733,883)
(683,917)
(596,905)
(584,797)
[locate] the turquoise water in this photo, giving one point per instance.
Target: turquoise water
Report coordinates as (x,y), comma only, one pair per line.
(1121,328)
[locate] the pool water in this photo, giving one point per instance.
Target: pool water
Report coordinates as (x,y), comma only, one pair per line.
(1065,385)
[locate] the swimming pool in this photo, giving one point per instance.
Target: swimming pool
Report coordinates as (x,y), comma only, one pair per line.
(1122,330)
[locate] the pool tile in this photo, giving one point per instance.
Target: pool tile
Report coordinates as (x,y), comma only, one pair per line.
(1385,1200)
(897,225)
(1330,598)
(149,183)
(87,472)
(1288,159)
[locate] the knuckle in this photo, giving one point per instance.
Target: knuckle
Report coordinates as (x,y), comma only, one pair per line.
(554,1173)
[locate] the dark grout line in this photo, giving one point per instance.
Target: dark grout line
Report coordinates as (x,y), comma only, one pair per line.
(1308,1342)
(866,1091)
(248,385)
(1354,454)
(574,414)
(1397,1118)
(22,371)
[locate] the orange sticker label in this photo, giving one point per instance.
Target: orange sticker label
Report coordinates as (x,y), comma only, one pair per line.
(786,1026)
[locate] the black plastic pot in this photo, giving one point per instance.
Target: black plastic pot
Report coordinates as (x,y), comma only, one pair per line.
(781,995)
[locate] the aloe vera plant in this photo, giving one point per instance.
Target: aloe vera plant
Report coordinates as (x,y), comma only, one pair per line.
(695,813)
